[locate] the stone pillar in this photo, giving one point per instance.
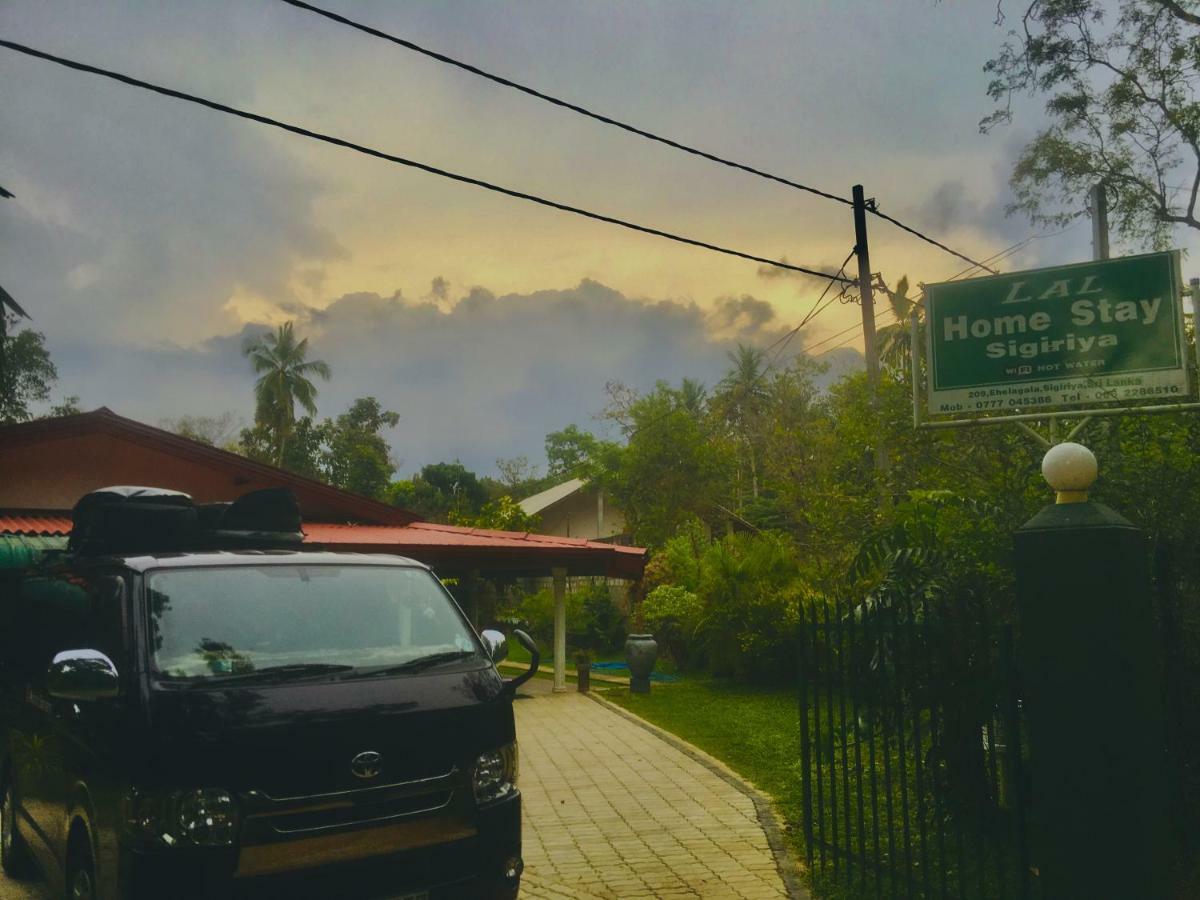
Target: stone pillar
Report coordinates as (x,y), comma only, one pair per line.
(1088,653)
(560,628)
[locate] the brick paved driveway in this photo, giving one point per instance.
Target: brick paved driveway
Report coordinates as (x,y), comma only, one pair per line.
(612,810)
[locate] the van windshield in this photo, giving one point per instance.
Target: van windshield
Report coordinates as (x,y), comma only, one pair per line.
(240,622)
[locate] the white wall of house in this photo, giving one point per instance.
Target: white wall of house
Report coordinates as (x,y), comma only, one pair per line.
(583,515)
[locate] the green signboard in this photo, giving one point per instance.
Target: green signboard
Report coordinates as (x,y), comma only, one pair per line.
(1110,330)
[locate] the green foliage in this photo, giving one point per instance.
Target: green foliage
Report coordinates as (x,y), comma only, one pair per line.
(670,471)
(674,615)
(593,621)
(68,407)
(568,451)
(358,458)
(731,603)
(1121,83)
(26,371)
(503,514)
(302,452)
(284,380)
(439,491)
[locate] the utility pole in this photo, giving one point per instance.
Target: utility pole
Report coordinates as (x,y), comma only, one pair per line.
(1099,201)
(870,347)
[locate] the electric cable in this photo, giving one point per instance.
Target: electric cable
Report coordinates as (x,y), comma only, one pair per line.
(609,120)
(556,101)
(399,160)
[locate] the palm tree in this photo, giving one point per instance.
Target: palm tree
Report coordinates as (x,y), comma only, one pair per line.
(693,396)
(895,341)
(744,397)
(283,381)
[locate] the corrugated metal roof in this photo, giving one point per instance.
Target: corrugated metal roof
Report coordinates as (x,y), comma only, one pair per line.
(427,534)
(531,506)
(33,524)
(419,533)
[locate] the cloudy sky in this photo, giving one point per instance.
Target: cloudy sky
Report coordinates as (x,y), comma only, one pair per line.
(148,237)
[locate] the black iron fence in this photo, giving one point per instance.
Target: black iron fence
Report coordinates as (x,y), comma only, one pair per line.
(912,757)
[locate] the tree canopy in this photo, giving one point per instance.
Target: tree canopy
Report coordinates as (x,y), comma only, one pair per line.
(1120,83)
(26,371)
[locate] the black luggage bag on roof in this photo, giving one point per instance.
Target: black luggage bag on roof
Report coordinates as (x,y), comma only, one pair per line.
(155,520)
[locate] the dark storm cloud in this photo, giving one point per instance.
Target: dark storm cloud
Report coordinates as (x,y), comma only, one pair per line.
(774,273)
(485,379)
(744,316)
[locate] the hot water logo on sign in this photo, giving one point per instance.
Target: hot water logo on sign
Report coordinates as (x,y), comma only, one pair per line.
(1101,331)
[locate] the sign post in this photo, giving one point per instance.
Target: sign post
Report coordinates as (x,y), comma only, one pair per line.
(1025,343)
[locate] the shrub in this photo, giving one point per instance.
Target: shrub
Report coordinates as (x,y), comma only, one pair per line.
(674,615)
(593,620)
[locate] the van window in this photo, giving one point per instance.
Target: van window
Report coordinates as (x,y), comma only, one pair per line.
(220,621)
(66,611)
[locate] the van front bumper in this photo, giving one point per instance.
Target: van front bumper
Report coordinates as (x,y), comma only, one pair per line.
(442,858)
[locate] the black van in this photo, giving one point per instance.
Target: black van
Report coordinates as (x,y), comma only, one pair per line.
(207,721)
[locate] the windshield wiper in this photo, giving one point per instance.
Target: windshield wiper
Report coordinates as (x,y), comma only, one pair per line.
(414,665)
(282,673)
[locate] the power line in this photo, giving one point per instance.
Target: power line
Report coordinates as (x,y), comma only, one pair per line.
(816,310)
(994,258)
(399,160)
(929,240)
(608,120)
(556,101)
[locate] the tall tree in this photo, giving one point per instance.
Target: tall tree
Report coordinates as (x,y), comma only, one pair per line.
(568,450)
(359,458)
(26,373)
(1121,81)
(670,471)
(741,401)
(284,380)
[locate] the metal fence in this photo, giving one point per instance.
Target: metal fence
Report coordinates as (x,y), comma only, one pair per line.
(912,757)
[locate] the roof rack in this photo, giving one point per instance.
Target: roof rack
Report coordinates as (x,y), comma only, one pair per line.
(127,519)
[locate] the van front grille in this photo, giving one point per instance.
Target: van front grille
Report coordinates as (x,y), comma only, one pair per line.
(267,817)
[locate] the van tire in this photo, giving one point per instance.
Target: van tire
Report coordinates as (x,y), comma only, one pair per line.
(81,870)
(14,852)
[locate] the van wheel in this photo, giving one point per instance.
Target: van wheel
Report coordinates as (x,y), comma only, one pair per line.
(81,871)
(14,854)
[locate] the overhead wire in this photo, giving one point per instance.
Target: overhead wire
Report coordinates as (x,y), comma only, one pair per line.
(815,311)
(609,120)
(400,160)
(557,101)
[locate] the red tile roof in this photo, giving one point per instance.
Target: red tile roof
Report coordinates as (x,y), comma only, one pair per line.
(444,546)
(34,524)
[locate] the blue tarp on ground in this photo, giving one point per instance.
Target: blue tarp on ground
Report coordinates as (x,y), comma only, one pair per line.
(617,666)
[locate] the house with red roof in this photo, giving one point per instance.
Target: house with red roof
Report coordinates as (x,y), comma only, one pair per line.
(46,465)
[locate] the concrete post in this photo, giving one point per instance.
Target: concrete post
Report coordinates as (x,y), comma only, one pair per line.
(560,628)
(1092,700)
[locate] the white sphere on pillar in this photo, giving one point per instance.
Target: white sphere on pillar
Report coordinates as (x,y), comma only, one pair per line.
(1071,470)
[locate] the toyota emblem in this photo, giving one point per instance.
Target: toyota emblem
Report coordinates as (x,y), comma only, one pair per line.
(367,764)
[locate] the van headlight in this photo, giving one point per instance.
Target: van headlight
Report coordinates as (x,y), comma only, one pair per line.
(494,775)
(206,817)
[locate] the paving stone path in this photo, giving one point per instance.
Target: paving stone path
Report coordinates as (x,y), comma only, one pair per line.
(612,810)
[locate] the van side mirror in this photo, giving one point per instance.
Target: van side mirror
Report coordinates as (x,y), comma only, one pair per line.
(535,659)
(496,644)
(82,675)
